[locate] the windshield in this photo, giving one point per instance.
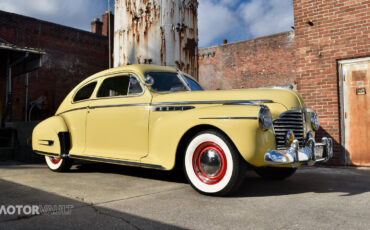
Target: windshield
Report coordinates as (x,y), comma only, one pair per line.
(193,85)
(172,82)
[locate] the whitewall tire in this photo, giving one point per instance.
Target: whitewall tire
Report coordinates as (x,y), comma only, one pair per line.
(212,164)
(57,164)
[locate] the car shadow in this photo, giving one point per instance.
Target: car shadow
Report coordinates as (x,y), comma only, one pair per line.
(81,216)
(176,176)
(346,181)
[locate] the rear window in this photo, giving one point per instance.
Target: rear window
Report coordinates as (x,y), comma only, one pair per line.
(85,92)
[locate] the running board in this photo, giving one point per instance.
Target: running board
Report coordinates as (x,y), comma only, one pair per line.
(119,162)
(104,160)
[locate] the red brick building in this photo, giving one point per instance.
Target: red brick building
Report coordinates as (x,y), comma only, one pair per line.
(70,55)
(327,32)
(264,61)
(328,59)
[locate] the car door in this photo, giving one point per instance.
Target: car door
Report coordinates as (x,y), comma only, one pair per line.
(75,117)
(117,120)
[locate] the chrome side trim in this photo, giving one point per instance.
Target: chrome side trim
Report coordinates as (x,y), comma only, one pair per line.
(172,108)
(252,118)
(71,110)
(226,102)
(250,102)
(104,106)
(119,105)
(47,154)
(117,162)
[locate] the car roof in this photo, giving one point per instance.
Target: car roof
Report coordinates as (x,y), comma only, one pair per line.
(137,68)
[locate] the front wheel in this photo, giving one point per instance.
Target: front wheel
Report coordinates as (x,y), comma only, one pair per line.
(272,173)
(57,164)
(212,164)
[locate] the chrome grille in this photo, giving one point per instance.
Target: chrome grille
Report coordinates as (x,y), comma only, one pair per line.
(289,120)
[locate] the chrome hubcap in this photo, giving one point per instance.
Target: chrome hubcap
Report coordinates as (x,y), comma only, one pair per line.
(210,162)
(55,160)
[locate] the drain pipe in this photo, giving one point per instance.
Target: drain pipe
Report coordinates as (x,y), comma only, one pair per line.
(26,98)
(36,103)
(8,94)
(109,36)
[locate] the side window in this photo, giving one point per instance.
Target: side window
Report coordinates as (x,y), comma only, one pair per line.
(114,86)
(85,92)
(135,87)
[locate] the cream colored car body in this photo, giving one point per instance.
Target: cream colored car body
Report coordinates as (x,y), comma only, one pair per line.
(132,130)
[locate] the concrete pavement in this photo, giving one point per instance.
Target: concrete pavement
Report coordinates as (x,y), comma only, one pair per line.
(118,197)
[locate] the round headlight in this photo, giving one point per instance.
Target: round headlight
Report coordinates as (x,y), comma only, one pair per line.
(315,123)
(265,118)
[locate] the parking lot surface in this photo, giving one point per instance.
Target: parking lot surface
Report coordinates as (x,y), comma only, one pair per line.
(118,197)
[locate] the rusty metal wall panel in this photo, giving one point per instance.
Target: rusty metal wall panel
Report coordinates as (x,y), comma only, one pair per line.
(162,32)
(356,82)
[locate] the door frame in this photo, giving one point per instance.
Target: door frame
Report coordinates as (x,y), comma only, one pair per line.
(340,63)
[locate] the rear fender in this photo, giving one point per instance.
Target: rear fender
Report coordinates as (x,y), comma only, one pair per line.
(51,137)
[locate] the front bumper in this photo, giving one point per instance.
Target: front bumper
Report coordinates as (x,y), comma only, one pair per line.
(311,153)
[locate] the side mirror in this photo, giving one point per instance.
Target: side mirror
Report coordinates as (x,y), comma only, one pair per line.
(149,80)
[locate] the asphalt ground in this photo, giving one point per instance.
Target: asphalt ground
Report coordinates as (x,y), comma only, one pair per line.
(101,196)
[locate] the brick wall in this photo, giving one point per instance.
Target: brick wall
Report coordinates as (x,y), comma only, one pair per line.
(71,56)
(264,61)
(325,32)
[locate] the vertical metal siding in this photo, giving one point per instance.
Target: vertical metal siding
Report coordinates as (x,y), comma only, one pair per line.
(162,32)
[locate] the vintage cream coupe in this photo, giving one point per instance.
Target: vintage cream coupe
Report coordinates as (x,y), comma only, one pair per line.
(158,117)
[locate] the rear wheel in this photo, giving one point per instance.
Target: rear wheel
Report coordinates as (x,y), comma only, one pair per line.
(212,164)
(272,173)
(57,164)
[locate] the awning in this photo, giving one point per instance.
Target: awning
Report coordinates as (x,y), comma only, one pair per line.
(21,59)
(14,61)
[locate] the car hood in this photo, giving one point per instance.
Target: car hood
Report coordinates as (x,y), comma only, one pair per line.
(290,99)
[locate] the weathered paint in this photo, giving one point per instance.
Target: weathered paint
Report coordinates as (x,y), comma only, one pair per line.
(356,82)
(162,32)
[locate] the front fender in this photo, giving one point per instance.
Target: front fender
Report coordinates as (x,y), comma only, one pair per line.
(51,136)
(168,127)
